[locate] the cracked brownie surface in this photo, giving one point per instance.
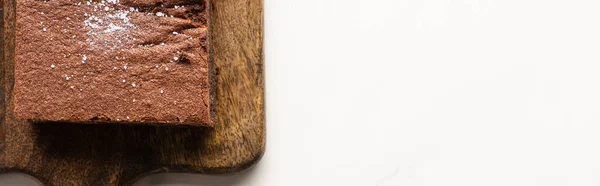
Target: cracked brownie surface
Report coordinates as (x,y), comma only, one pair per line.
(113,60)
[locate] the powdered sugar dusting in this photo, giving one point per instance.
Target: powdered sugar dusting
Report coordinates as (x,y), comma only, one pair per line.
(83,58)
(110,28)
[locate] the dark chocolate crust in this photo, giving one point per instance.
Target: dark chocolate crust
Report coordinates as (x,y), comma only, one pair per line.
(126,61)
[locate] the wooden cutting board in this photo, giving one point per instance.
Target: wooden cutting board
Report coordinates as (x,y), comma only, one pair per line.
(60,154)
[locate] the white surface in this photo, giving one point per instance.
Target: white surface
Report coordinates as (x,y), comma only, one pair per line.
(429,93)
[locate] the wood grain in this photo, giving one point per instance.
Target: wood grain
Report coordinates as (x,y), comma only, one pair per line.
(70,154)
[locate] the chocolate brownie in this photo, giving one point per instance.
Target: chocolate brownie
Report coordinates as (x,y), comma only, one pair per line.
(141,61)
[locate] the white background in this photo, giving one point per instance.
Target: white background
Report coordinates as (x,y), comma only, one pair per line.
(426,93)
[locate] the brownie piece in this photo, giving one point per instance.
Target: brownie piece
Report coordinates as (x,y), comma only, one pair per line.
(113,60)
